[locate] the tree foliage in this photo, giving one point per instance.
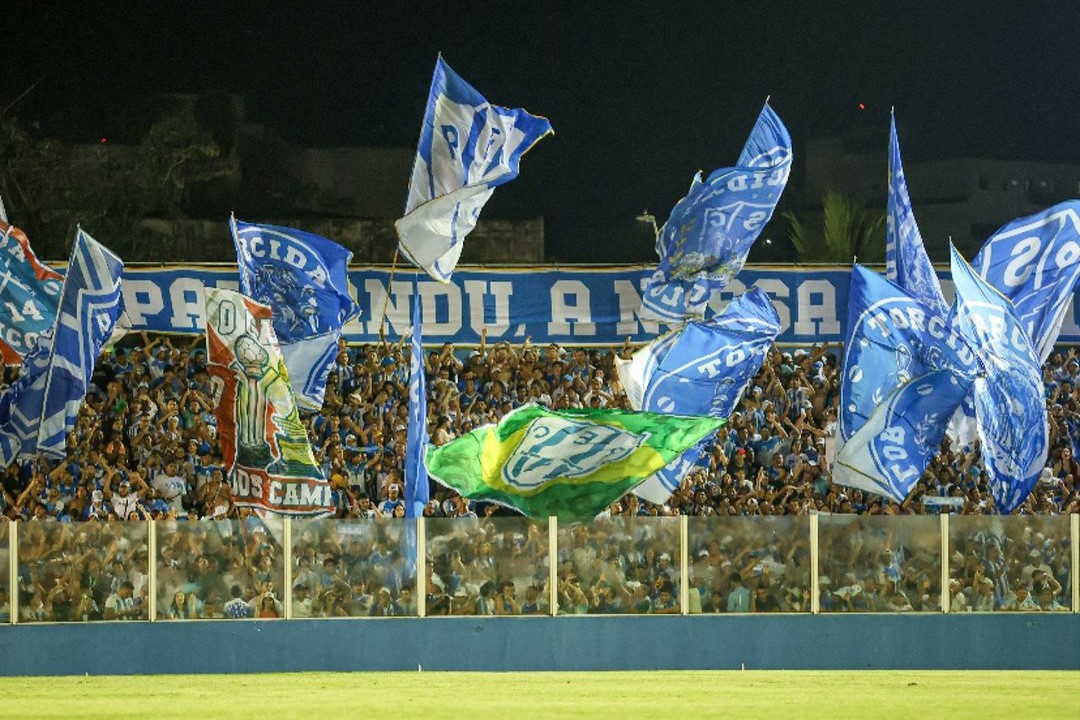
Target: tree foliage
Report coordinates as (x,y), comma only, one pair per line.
(51,186)
(848,231)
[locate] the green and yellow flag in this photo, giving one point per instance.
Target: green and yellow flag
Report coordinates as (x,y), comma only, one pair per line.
(569,463)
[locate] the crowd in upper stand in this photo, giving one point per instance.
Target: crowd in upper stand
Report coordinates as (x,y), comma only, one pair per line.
(145,444)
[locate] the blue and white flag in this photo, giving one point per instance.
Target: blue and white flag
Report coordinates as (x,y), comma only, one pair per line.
(890,452)
(906,262)
(40,409)
(303,278)
(892,338)
(29,294)
(416,442)
(467,148)
(706,239)
(1035,262)
(1009,401)
(701,370)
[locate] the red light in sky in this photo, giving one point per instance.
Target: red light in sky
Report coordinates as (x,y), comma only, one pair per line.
(104,140)
(862,106)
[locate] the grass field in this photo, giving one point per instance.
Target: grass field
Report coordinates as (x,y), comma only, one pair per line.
(518,696)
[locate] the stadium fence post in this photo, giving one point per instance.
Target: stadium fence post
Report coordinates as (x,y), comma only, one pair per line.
(815,560)
(287,590)
(420,564)
(945,594)
(553,565)
(1075,547)
(151,569)
(13,571)
(684,565)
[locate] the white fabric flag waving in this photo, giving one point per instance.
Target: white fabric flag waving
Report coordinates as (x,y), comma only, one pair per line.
(467,148)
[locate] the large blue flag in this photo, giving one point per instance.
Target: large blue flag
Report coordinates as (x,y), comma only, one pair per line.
(702,370)
(303,278)
(416,477)
(890,452)
(29,294)
(892,338)
(906,262)
(1009,401)
(39,410)
(1035,262)
(467,148)
(706,239)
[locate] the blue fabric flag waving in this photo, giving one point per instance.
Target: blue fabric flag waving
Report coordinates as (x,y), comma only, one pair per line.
(892,338)
(303,278)
(706,239)
(39,410)
(29,294)
(890,452)
(1035,262)
(703,372)
(1009,401)
(906,262)
(416,442)
(467,148)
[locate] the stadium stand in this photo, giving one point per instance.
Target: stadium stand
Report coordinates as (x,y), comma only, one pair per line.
(145,447)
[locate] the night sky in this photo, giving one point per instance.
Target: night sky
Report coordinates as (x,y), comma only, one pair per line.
(641,94)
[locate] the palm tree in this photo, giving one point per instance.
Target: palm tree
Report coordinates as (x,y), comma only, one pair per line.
(848,231)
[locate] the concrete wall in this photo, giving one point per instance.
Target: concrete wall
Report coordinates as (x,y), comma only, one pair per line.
(1002,641)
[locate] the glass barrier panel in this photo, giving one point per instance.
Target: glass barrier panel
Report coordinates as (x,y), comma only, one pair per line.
(220,569)
(749,564)
(353,568)
(1016,562)
(489,566)
(5,574)
(879,563)
(619,565)
(78,572)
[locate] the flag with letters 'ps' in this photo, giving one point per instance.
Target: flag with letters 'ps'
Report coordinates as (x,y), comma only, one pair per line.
(570,463)
(303,278)
(29,294)
(706,240)
(39,410)
(1034,261)
(263,443)
(467,148)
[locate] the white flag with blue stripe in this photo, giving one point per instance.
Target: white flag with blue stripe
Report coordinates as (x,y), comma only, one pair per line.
(701,370)
(1009,400)
(906,261)
(40,409)
(302,277)
(467,148)
(1035,262)
(708,236)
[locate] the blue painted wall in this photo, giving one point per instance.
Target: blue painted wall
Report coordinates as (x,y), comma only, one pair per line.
(1020,641)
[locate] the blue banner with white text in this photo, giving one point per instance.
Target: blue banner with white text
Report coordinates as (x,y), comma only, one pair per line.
(583,305)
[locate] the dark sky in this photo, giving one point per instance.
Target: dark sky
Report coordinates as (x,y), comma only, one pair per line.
(641,94)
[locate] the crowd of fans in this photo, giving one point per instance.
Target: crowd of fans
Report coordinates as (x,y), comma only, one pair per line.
(145,446)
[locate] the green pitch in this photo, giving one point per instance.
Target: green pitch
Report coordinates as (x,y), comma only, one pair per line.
(667,694)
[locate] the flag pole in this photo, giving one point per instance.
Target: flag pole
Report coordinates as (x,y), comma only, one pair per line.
(389,289)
